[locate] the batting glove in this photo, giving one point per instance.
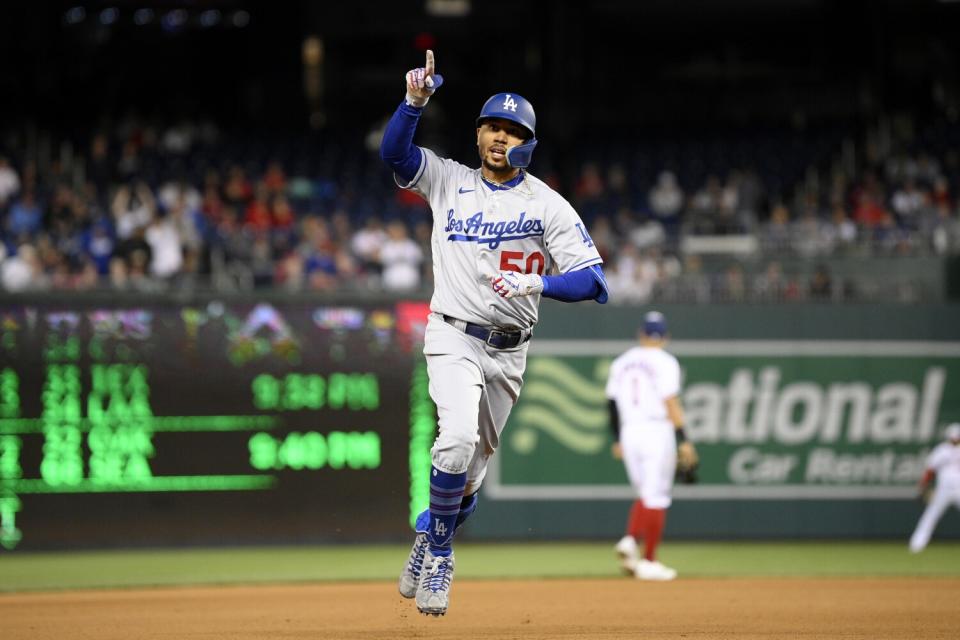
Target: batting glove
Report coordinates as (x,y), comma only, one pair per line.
(422,83)
(510,284)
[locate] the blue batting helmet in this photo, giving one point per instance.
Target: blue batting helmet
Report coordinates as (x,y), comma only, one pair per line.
(654,325)
(518,109)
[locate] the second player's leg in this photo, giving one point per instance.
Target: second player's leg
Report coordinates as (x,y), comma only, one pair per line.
(928,521)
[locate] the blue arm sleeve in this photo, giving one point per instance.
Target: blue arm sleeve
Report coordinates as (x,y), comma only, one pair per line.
(573,286)
(397,148)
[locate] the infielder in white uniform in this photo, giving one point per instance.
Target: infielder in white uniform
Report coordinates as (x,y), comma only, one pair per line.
(944,464)
(497,232)
(646,417)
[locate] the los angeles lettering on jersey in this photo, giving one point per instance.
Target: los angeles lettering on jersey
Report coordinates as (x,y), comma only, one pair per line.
(474,229)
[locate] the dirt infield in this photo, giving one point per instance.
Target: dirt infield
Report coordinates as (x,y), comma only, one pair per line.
(528,610)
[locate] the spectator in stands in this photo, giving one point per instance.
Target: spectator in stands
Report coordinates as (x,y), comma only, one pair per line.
(229,249)
(703,213)
(282,214)
(733,286)
(99,170)
(589,187)
(945,234)
(212,205)
(728,209)
(601,232)
(423,235)
(321,262)
(129,165)
(870,211)
(839,233)
(237,190)
(98,245)
(400,259)
(67,239)
(821,284)
(666,201)
(22,271)
(940,196)
(131,264)
(60,207)
(261,259)
(341,229)
(275,179)
(179,192)
(134,207)
(634,275)
(773,286)
(908,203)
(188,223)
(807,232)
(692,284)
(888,237)
(9,182)
(258,216)
(749,199)
(25,218)
(776,233)
(366,244)
(166,249)
(928,169)
(618,189)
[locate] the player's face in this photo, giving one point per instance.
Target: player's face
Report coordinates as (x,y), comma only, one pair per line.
(494,137)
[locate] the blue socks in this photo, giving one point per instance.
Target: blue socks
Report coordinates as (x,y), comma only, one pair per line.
(467,506)
(446,494)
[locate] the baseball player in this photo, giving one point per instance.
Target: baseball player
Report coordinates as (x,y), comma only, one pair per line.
(497,232)
(647,422)
(944,464)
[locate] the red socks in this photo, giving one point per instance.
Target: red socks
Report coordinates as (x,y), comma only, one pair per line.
(647,524)
(654,519)
(635,522)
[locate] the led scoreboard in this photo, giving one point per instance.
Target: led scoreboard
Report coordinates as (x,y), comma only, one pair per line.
(211,422)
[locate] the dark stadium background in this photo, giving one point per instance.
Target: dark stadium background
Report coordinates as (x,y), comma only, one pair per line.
(598,68)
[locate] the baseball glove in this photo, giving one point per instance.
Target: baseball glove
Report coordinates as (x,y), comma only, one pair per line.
(687,476)
(687,463)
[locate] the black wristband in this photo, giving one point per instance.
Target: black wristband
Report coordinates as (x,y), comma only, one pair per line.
(681,435)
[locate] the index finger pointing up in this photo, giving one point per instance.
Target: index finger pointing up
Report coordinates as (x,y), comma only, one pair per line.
(428,70)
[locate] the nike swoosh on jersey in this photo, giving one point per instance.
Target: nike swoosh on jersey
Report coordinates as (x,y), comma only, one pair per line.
(462,190)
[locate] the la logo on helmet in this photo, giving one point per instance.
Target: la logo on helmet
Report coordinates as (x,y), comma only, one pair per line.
(510,103)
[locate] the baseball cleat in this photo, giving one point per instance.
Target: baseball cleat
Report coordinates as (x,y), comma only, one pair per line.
(433,592)
(627,552)
(653,570)
(410,576)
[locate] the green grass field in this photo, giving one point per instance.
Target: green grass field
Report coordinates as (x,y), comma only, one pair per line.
(100,569)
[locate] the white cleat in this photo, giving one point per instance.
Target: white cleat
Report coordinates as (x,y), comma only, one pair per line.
(410,576)
(433,592)
(653,570)
(627,552)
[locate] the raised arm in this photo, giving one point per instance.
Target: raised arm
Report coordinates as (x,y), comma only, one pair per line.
(397,149)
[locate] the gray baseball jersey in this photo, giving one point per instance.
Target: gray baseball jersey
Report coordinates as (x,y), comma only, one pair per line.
(480,230)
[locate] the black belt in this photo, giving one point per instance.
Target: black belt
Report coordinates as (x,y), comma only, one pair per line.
(494,337)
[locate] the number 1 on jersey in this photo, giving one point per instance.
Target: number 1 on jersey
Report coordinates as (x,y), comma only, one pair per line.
(533,263)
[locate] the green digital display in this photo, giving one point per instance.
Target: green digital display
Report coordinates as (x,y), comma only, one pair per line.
(259,422)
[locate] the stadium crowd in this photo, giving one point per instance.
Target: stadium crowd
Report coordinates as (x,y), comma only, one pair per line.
(149,208)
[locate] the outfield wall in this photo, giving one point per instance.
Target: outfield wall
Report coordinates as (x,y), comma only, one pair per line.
(277,419)
(812,421)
